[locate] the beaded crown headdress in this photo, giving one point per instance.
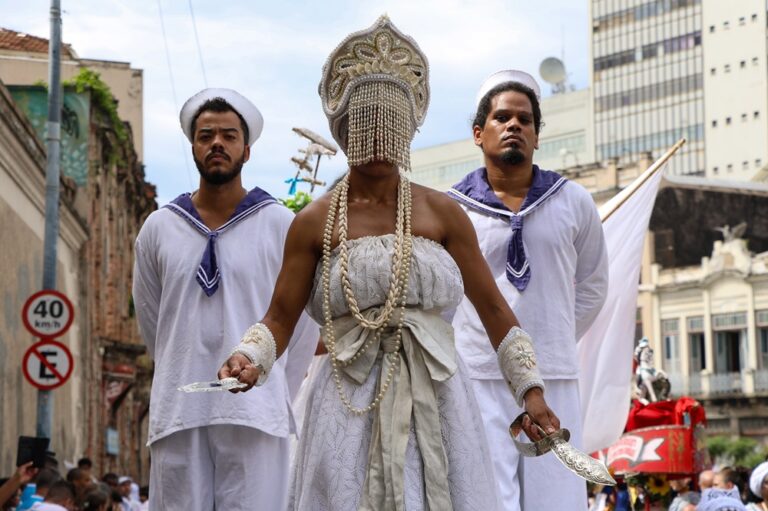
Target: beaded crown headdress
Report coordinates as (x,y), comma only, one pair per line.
(380,54)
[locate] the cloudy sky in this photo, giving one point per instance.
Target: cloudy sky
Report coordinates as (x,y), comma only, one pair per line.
(272,52)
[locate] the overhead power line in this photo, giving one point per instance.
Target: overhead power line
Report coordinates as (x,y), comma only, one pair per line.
(173,91)
(197,41)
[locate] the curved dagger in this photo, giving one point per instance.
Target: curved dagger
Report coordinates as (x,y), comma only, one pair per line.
(579,463)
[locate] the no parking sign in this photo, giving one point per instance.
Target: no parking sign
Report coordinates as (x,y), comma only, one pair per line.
(47,364)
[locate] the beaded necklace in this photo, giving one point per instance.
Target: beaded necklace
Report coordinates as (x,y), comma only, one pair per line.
(396,296)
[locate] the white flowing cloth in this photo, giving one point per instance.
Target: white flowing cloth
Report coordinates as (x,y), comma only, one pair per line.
(605,350)
(424,447)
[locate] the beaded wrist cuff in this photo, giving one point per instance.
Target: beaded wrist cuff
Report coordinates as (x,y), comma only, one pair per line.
(259,347)
(518,363)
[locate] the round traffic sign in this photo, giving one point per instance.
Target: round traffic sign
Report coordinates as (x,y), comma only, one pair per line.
(47,364)
(47,314)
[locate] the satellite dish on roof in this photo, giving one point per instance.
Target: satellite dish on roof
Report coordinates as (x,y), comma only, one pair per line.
(552,70)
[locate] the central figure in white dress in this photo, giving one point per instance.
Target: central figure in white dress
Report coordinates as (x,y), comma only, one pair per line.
(391,420)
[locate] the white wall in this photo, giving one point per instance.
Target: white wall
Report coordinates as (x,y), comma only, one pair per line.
(735,32)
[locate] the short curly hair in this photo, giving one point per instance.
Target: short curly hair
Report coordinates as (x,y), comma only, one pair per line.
(220,105)
(484,107)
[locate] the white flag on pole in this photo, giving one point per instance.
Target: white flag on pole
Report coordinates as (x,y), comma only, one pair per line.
(605,350)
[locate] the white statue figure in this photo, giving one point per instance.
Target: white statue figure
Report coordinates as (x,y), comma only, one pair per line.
(648,375)
(730,234)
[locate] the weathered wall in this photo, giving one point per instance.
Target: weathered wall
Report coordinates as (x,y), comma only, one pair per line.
(22,188)
(120,201)
(103,207)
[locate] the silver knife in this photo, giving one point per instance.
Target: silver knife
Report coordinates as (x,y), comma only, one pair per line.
(581,464)
(213,386)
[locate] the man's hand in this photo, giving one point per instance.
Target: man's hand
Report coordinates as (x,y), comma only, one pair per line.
(25,473)
(238,366)
(541,414)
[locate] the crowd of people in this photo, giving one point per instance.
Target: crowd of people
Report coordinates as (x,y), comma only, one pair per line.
(725,488)
(47,489)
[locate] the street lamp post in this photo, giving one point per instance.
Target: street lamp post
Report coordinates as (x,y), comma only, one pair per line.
(52,172)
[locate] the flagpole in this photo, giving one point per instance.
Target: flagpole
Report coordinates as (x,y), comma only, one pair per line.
(627,192)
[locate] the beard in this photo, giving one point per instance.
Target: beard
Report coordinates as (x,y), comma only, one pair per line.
(512,156)
(220,178)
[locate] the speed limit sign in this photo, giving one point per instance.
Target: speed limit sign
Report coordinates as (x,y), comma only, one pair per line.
(47,314)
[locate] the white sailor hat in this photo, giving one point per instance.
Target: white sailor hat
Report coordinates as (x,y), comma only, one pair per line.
(238,102)
(508,75)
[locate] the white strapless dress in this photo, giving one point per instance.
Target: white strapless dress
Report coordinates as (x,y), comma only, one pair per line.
(331,465)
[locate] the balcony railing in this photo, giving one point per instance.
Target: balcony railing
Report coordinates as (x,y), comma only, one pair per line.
(761,380)
(679,384)
(725,383)
(694,385)
(685,385)
(715,384)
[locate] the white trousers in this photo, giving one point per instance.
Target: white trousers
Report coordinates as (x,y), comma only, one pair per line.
(546,484)
(221,467)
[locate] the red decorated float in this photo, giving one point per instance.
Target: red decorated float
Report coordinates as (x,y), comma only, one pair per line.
(663,440)
(666,437)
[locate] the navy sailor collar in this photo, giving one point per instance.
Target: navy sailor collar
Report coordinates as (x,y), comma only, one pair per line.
(208,274)
(475,192)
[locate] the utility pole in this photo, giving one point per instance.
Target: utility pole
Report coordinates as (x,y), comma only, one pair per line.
(52,172)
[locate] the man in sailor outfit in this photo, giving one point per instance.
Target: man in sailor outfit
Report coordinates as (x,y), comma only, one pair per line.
(543,240)
(205,269)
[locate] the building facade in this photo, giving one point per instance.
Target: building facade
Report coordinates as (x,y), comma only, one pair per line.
(647,80)
(735,50)
(24,61)
(110,199)
(705,297)
(22,228)
(665,69)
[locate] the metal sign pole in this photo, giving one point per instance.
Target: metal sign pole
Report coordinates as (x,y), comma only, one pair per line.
(52,171)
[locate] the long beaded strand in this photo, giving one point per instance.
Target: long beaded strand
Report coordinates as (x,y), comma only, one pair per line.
(398,285)
(397,262)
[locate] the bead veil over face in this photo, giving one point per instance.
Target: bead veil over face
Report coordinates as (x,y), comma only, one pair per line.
(379,125)
(375,93)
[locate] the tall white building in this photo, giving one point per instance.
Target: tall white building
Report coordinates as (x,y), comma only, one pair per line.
(664,69)
(735,88)
(647,80)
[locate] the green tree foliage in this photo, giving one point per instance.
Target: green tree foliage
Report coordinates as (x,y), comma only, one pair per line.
(88,80)
(297,202)
(101,96)
(741,451)
(718,446)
